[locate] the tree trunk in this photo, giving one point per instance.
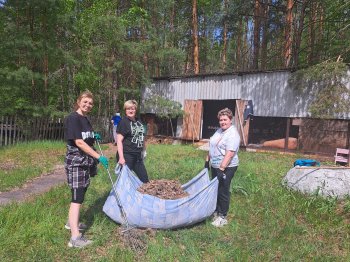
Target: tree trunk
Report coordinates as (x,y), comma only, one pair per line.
(195,37)
(239,44)
(144,39)
(245,54)
(320,28)
(187,65)
(256,36)
(31,28)
(46,58)
(311,57)
(298,33)
(204,49)
(172,30)
(115,93)
(288,33)
(224,36)
(171,126)
(264,39)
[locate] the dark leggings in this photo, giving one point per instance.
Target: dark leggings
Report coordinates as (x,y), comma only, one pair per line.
(135,163)
(223,201)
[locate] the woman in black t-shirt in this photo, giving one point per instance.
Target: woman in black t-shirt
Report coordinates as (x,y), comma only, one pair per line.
(80,163)
(130,141)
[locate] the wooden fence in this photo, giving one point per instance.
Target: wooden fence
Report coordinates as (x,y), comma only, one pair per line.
(14,129)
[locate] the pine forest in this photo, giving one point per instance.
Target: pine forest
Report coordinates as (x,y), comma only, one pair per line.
(51,50)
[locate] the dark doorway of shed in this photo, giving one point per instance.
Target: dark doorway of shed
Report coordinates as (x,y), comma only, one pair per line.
(159,126)
(210,112)
(270,128)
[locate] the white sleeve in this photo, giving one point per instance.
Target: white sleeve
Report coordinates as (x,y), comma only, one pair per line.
(233,141)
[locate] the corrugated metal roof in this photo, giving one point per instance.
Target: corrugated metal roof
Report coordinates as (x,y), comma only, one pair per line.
(270,91)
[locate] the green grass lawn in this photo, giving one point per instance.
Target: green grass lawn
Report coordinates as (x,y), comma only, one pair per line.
(267,222)
(25,161)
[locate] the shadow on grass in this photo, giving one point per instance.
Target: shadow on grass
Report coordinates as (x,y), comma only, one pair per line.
(94,209)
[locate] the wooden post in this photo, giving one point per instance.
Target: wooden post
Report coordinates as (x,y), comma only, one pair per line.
(240,124)
(287,135)
(6,129)
(10,130)
(14,130)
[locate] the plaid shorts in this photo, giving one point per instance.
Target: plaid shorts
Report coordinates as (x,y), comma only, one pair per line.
(79,167)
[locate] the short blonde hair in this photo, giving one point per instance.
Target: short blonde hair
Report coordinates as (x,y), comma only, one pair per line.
(225,112)
(82,95)
(130,103)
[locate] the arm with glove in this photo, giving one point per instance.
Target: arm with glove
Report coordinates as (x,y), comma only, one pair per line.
(102,159)
(220,173)
(227,159)
(97,137)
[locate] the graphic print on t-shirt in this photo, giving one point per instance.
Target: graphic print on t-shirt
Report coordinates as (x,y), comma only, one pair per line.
(86,135)
(137,132)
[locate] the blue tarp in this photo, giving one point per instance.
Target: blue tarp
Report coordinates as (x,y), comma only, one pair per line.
(143,210)
(306,162)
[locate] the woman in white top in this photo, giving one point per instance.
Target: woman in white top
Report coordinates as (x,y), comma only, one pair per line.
(223,160)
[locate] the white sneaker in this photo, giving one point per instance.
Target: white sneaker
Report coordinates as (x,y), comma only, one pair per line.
(79,242)
(81,226)
(219,222)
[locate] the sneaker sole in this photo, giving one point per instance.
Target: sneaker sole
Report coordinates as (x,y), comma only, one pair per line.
(218,224)
(71,245)
(68,228)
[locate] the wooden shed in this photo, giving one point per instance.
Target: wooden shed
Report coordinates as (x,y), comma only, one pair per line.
(280,111)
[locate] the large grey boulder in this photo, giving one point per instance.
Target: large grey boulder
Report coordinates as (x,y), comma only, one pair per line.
(327,182)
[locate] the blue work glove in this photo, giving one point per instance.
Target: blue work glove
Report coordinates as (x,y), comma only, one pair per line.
(104,161)
(97,136)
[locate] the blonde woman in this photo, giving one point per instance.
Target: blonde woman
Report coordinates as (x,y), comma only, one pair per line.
(130,141)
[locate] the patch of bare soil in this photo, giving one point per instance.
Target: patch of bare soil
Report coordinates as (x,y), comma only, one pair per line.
(8,165)
(159,140)
(163,188)
(110,151)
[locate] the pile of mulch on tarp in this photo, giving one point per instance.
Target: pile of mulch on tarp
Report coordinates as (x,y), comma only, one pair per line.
(163,188)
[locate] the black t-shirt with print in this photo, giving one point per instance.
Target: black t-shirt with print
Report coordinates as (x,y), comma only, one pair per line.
(78,127)
(133,133)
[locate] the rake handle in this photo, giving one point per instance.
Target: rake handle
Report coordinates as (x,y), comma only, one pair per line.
(115,190)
